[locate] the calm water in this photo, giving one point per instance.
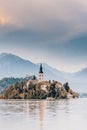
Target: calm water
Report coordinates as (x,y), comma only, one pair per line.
(43,115)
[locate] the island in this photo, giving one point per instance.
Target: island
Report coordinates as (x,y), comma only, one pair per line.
(39,89)
(43,90)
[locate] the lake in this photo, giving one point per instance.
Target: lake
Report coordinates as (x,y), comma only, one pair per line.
(43,115)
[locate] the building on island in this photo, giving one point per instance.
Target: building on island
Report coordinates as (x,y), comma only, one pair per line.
(34,79)
(41,74)
(40,80)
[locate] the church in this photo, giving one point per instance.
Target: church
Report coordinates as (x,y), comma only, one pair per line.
(40,80)
(41,74)
(34,80)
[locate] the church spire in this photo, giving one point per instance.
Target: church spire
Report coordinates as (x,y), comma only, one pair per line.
(41,69)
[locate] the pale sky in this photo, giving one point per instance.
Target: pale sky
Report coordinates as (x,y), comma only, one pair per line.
(51,31)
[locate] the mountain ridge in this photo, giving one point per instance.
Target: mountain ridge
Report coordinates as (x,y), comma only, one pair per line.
(15,66)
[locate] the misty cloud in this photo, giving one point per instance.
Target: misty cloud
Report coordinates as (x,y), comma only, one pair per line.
(54,30)
(58,20)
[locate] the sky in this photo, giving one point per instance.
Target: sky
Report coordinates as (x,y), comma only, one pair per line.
(50,31)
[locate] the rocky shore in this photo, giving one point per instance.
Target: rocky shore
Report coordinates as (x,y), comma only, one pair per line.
(42,90)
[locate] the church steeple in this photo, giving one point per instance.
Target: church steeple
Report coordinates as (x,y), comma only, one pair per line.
(41,75)
(41,69)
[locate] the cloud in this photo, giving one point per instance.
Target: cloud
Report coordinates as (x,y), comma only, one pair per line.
(53,30)
(55,19)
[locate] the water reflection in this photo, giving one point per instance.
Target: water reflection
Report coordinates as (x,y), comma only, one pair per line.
(33,107)
(38,115)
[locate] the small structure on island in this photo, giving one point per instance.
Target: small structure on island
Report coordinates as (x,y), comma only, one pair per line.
(41,74)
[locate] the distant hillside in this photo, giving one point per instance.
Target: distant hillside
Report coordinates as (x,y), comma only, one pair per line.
(14,66)
(80,76)
(5,82)
(53,70)
(82,73)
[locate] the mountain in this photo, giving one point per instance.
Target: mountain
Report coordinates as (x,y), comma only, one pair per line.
(82,73)
(81,76)
(53,70)
(14,66)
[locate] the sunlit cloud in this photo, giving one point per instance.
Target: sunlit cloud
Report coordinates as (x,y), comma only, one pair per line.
(3,19)
(61,20)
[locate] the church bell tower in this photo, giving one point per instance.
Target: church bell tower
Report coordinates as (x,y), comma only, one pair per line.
(41,74)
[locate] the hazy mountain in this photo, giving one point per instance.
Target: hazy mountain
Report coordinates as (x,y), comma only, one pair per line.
(57,74)
(14,66)
(82,73)
(81,76)
(54,70)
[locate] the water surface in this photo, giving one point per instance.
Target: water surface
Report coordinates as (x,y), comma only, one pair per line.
(43,115)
